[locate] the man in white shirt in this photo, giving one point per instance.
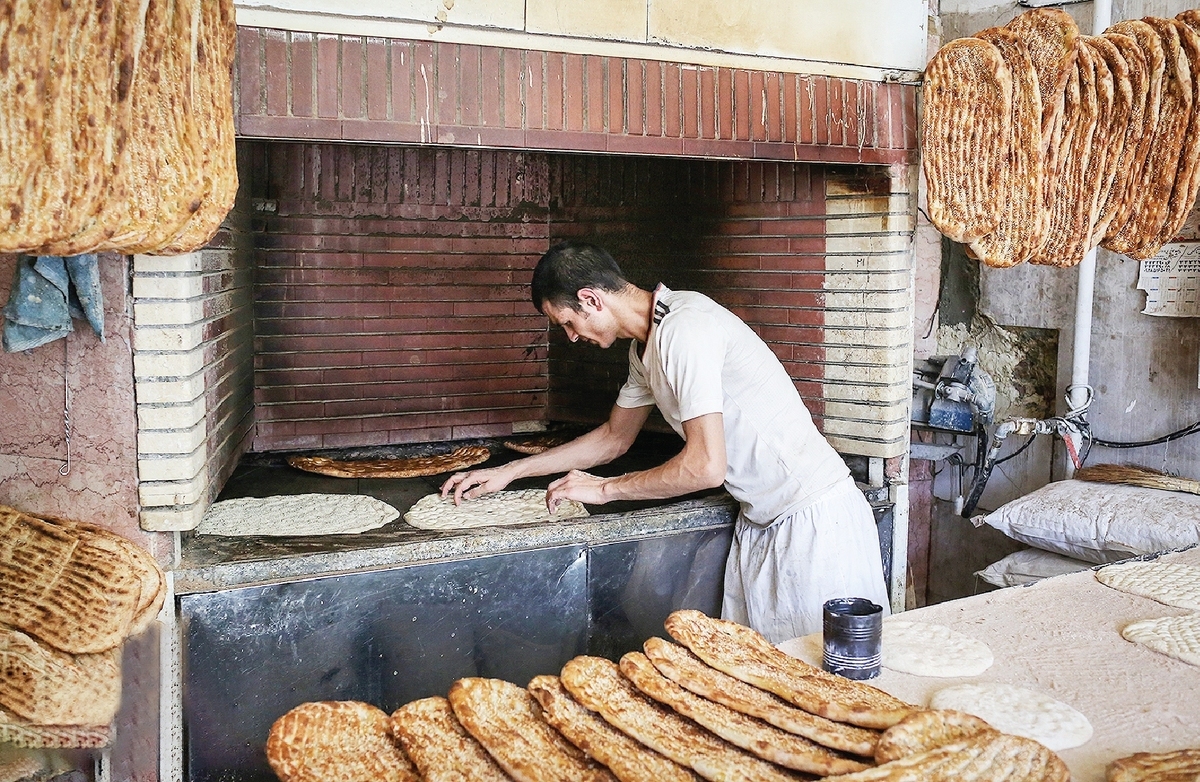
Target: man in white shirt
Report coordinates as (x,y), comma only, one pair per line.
(805,533)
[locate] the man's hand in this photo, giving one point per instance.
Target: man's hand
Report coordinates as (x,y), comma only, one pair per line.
(576,485)
(476,483)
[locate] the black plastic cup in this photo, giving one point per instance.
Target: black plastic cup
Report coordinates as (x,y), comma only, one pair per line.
(853,635)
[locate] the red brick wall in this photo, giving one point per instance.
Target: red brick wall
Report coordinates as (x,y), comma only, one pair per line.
(391,300)
(748,234)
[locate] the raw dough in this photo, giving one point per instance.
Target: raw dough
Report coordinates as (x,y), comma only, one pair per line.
(925,649)
(296,514)
(1167,582)
(1175,636)
(492,510)
(1018,711)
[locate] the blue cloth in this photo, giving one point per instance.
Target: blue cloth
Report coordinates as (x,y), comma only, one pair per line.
(47,292)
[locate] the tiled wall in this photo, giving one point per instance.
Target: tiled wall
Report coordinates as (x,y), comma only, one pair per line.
(293,85)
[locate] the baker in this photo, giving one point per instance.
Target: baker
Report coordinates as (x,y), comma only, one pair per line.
(805,533)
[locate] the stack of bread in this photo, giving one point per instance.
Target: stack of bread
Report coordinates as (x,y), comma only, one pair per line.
(1039,143)
(70,594)
(116,125)
(719,703)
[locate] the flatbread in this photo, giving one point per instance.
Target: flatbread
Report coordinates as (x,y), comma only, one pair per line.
(50,687)
(506,720)
(986,757)
(1179,766)
(336,741)
(754,736)
(1174,636)
(744,654)
(1108,145)
(1171,583)
(1019,711)
(924,649)
(627,759)
(968,113)
(1187,177)
(690,672)
(926,730)
(1128,166)
(503,508)
(23,117)
(22,733)
(536,445)
(296,514)
(1023,218)
(439,747)
(409,467)
(598,685)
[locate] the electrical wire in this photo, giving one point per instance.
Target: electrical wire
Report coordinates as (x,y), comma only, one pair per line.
(1166,438)
(1017,452)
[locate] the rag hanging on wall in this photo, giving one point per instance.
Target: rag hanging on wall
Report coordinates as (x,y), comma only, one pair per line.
(47,293)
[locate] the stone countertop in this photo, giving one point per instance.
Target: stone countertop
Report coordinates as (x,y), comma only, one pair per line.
(210,562)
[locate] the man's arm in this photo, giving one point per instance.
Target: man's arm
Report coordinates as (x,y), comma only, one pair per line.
(700,465)
(599,446)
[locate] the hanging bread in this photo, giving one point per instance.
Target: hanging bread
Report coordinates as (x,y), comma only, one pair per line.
(1129,164)
(22,121)
(1187,177)
(1023,218)
(1108,142)
(1074,187)
(968,111)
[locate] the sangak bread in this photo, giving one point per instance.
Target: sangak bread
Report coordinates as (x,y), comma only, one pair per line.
(50,687)
(968,114)
(336,741)
(1138,237)
(744,654)
(505,719)
(690,672)
(1182,765)
(626,758)
(78,592)
(1128,166)
(1023,219)
(926,730)
(438,745)
(535,445)
(410,467)
(753,735)
(1074,190)
(524,506)
(212,103)
(23,117)
(1051,36)
(1187,177)
(597,684)
(986,757)
(1122,233)
(21,732)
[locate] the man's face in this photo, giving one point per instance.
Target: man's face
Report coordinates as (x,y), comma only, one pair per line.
(585,324)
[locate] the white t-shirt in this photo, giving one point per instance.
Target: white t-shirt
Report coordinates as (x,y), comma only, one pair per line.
(700,358)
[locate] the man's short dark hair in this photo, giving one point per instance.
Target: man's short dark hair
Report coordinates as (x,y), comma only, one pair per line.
(570,266)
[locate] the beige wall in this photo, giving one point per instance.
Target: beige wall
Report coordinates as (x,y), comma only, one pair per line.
(874,39)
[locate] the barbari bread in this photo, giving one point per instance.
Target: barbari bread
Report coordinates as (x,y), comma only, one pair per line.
(49,687)
(1187,177)
(336,741)
(410,467)
(985,757)
(744,654)
(1128,167)
(438,745)
(628,759)
(755,736)
(926,730)
(1179,766)
(968,114)
(598,685)
(1108,143)
(1019,186)
(505,719)
(690,672)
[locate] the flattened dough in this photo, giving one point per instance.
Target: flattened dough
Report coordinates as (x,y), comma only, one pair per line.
(296,514)
(1167,582)
(503,508)
(1018,711)
(1174,636)
(924,649)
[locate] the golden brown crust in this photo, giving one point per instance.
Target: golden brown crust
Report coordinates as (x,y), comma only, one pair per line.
(986,757)
(754,736)
(1019,186)
(926,730)
(505,719)
(535,445)
(1187,177)
(598,685)
(1132,157)
(411,467)
(336,741)
(744,654)
(1182,765)
(968,111)
(50,687)
(1108,145)
(439,746)
(22,120)
(1050,35)
(626,758)
(689,671)
(22,733)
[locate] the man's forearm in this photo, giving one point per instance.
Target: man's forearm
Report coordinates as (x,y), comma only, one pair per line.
(670,479)
(595,447)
